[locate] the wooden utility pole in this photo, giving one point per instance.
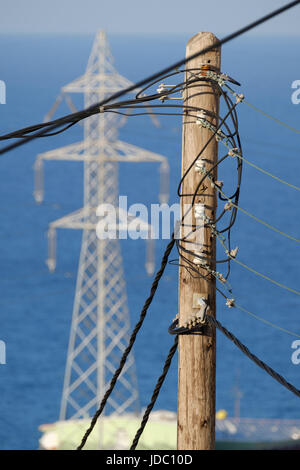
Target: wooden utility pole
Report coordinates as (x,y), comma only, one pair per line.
(197,353)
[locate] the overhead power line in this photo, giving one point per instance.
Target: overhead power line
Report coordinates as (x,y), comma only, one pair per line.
(73,118)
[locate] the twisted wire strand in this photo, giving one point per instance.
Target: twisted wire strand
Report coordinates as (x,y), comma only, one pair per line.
(212,321)
(275,375)
(155,394)
(137,327)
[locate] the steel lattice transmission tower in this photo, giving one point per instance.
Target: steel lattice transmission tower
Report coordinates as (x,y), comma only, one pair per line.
(100,323)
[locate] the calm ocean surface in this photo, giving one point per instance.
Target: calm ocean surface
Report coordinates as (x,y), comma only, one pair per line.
(36,306)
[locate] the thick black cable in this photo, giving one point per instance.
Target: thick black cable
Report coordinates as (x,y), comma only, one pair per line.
(275,375)
(137,327)
(212,321)
(155,394)
(94,109)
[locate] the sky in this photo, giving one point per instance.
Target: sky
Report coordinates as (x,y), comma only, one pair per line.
(140,16)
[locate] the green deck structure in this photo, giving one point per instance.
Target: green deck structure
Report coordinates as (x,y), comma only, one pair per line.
(117,432)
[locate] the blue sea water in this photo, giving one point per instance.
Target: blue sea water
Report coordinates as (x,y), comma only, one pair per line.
(36,306)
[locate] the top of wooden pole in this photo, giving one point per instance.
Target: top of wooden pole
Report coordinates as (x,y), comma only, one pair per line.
(205,39)
(203,36)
